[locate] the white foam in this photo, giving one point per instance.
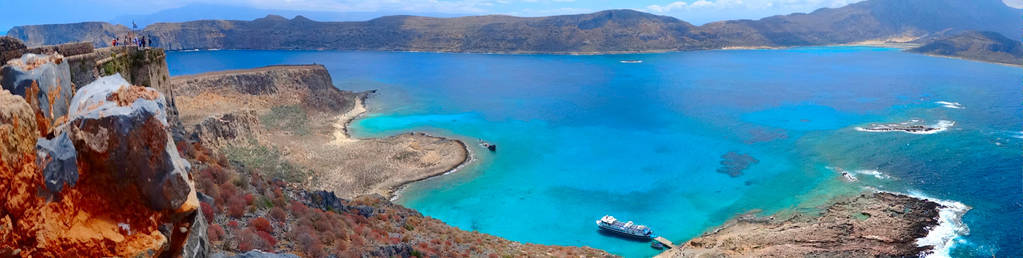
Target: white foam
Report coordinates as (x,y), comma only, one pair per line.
(950,227)
(871,172)
(1017,135)
(952,105)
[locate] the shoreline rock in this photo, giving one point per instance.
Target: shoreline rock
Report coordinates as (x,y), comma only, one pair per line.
(870,224)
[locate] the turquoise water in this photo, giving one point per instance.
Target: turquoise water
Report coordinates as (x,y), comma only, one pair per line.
(583,136)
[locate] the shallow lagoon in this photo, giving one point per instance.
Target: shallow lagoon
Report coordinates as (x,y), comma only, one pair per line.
(583,136)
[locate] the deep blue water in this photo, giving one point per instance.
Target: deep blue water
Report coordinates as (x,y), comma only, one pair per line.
(583,136)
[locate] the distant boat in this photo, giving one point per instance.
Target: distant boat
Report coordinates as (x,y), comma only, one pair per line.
(489,146)
(629,229)
(631,61)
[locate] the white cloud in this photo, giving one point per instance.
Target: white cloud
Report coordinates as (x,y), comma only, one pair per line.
(443,6)
(681,6)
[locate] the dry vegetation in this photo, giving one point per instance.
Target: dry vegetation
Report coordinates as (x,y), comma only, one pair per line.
(247,210)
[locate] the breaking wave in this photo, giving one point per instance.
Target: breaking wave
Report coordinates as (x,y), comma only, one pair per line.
(871,172)
(850,176)
(952,105)
(943,236)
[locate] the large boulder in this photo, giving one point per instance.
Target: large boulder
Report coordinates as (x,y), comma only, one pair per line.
(45,82)
(123,129)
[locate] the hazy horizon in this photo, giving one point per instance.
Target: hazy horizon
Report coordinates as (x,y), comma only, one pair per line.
(123,12)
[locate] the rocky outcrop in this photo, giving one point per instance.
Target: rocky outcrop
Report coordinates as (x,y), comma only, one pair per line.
(227,129)
(869,225)
(45,82)
(115,184)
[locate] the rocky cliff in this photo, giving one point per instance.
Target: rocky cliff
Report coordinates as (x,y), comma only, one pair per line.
(977,45)
(869,225)
(601,32)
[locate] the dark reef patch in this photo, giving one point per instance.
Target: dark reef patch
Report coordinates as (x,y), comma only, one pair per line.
(733,163)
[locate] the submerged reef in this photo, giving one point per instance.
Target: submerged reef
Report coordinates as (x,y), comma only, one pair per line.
(734,163)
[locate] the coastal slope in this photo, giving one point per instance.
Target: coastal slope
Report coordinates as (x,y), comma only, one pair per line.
(977,45)
(611,31)
(297,113)
(868,225)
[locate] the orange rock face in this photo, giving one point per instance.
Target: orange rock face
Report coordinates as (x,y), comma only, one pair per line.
(105,214)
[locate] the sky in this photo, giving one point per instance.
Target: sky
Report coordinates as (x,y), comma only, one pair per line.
(694,11)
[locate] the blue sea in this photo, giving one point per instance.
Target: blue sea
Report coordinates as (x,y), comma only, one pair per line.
(580,137)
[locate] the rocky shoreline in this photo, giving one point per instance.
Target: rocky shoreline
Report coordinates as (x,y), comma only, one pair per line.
(870,224)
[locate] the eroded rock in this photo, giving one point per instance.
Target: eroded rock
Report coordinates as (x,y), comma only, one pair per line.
(226,129)
(45,83)
(123,128)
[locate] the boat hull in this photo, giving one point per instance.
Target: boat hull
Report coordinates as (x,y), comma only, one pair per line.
(619,232)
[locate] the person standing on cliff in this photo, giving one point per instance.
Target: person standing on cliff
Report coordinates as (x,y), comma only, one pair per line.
(114,43)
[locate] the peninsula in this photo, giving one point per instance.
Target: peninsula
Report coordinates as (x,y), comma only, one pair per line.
(297,113)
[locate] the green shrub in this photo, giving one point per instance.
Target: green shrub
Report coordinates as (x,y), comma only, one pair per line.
(288,118)
(266,160)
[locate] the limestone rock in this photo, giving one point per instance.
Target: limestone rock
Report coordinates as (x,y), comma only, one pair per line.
(17,128)
(227,128)
(45,82)
(58,160)
(123,128)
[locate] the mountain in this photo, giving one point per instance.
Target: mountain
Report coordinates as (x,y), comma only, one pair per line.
(978,45)
(615,30)
(201,11)
(601,32)
(898,20)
